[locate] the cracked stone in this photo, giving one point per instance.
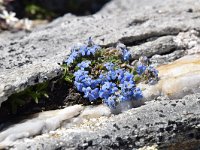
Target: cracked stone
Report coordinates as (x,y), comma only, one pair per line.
(162,19)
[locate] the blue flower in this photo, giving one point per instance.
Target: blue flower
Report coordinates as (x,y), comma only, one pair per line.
(141,69)
(111,101)
(107,89)
(127,77)
(79,86)
(111,75)
(87,51)
(110,86)
(126,55)
(84,64)
(109,66)
(87,81)
(104,93)
(102,79)
(123,98)
(90,48)
(153,71)
(94,83)
(83,50)
(93,46)
(93,49)
(80,75)
(120,74)
(91,94)
(127,85)
(138,93)
(72,57)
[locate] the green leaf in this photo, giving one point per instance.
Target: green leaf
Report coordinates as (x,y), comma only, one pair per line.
(68,79)
(46,95)
(137,78)
(36,100)
(76,68)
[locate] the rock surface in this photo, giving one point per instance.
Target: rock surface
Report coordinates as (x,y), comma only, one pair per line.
(177,79)
(47,121)
(172,124)
(163,30)
(31,58)
(39,123)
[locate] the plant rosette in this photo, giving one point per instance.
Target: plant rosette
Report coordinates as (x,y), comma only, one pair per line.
(106,74)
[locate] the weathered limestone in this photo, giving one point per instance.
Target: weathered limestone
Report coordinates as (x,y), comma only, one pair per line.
(39,123)
(187,43)
(26,56)
(158,46)
(167,124)
(164,31)
(47,121)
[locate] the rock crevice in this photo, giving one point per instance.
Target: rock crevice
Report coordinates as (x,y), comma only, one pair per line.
(164,31)
(160,122)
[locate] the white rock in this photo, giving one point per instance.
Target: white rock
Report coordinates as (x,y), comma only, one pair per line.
(39,123)
(95,112)
(89,113)
(177,79)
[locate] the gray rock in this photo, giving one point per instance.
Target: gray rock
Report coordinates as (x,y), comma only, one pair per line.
(164,31)
(145,6)
(28,57)
(164,59)
(165,123)
(161,45)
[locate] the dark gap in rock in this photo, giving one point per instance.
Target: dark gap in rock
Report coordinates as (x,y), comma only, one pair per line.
(136,22)
(50,9)
(191,135)
(21,105)
(196,17)
(138,40)
(169,52)
(130,41)
(190,10)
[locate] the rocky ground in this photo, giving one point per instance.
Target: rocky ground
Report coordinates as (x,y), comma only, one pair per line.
(169,125)
(162,30)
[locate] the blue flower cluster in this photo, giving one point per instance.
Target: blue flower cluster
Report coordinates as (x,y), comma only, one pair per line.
(84,83)
(84,50)
(149,71)
(152,70)
(113,86)
(144,68)
(141,69)
(106,80)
